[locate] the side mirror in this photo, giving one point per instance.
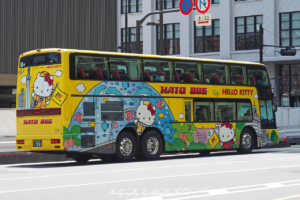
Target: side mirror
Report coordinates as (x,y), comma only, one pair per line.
(275,108)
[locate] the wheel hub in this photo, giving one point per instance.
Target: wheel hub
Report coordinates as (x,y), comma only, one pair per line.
(126,146)
(246,140)
(152,145)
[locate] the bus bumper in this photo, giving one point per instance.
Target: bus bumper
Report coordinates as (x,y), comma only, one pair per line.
(29,143)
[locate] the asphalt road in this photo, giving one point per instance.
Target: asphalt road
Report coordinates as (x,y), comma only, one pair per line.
(263,174)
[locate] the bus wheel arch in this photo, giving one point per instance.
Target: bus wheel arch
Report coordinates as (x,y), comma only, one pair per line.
(126,145)
(152,144)
(254,135)
(159,132)
(247,140)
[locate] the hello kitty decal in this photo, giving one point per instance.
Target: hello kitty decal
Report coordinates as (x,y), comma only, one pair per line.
(145,114)
(42,90)
(226,136)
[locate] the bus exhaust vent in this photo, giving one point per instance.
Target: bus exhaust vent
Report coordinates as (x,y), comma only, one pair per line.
(87,141)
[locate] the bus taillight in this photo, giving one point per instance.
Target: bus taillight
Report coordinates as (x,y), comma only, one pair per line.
(55,141)
(20,142)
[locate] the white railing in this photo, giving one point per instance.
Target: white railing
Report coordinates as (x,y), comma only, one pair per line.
(288,122)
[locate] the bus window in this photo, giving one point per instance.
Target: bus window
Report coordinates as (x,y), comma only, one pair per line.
(125,69)
(263,111)
(158,70)
(40,59)
(225,111)
(188,72)
(216,73)
(270,111)
(257,77)
(203,111)
(91,67)
(188,108)
(238,75)
(244,111)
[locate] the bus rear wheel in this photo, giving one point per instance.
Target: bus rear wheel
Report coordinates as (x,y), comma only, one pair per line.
(151,145)
(247,141)
(82,158)
(126,147)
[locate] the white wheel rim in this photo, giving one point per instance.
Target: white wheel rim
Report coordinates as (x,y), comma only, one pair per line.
(126,147)
(152,145)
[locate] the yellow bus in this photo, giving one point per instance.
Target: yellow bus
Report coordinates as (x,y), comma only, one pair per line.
(85,103)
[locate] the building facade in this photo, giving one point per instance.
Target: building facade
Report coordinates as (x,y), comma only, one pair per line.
(233,35)
(34,24)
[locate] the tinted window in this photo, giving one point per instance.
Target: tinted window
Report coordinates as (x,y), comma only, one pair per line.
(244,111)
(238,75)
(258,77)
(188,72)
(203,110)
(158,70)
(266,111)
(40,59)
(125,69)
(216,73)
(225,111)
(188,111)
(91,67)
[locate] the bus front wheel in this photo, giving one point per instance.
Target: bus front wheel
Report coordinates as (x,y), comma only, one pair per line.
(151,145)
(247,141)
(126,147)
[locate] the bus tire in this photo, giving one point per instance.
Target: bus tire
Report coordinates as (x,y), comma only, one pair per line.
(125,147)
(247,141)
(151,145)
(82,158)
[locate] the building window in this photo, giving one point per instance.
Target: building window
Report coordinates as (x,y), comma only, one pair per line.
(132,5)
(290,96)
(247,32)
(167,4)
(207,38)
(290,29)
(131,39)
(215,1)
(171,39)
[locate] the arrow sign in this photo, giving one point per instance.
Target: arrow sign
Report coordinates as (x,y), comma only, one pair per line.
(202,6)
(186,6)
(203,20)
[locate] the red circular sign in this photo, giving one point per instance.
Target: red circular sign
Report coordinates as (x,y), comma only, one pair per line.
(203,7)
(186,6)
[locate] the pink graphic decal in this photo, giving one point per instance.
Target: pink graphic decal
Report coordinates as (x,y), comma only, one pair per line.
(78,117)
(129,115)
(200,136)
(116,125)
(159,104)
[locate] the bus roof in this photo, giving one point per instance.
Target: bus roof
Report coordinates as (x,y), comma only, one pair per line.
(49,50)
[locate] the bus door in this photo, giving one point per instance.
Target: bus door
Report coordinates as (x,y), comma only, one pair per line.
(267,114)
(188,128)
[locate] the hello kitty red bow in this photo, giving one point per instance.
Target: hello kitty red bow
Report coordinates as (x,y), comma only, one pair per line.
(227,125)
(47,79)
(151,109)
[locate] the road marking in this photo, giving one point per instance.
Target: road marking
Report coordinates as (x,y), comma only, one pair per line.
(225,191)
(148,168)
(152,178)
(289,197)
(8,142)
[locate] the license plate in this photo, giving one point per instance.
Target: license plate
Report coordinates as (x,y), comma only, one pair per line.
(37,143)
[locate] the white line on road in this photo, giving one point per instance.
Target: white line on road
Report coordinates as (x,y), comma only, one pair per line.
(285,198)
(151,178)
(233,190)
(137,169)
(8,142)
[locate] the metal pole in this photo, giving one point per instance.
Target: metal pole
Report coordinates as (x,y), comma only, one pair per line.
(126,26)
(261,46)
(161,21)
(138,36)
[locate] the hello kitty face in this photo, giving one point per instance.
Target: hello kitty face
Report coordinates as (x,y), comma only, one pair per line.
(145,112)
(43,85)
(226,134)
